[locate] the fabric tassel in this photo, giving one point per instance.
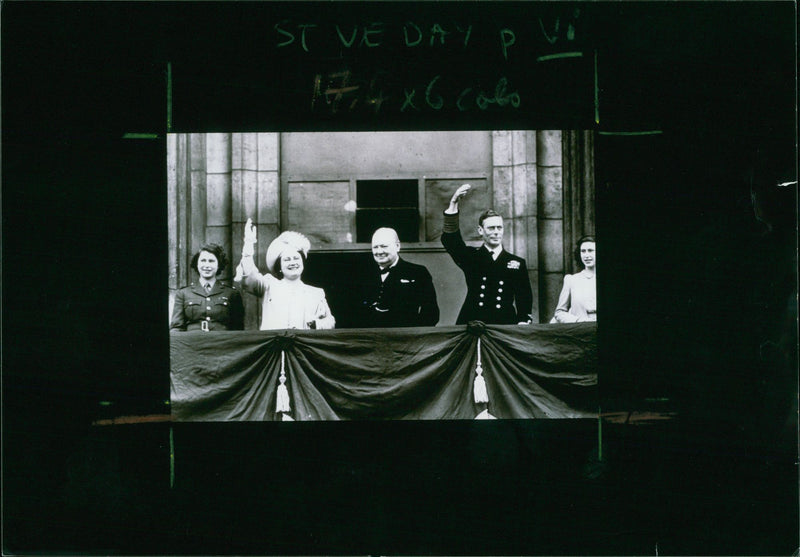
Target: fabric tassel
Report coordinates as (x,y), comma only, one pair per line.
(479,387)
(282,402)
(485,415)
(282,405)
(479,390)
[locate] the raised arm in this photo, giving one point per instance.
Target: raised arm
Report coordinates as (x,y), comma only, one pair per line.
(459,194)
(251,277)
(451,235)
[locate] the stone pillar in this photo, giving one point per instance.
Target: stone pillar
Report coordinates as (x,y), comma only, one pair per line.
(550,221)
(218,192)
(579,191)
(526,192)
(187,210)
(502,182)
(215,182)
(268,202)
(176,209)
(244,186)
(254,195)
(514,191)
(177,212)
(196,233)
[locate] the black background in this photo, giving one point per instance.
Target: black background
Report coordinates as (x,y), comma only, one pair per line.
(691,287)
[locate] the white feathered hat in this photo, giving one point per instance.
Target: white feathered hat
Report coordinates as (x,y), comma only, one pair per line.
(289,239)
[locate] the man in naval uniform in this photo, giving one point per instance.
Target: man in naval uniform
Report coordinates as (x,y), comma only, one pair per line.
(397,293)
(498,287)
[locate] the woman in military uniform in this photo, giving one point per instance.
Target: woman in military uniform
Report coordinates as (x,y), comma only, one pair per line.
(208,304)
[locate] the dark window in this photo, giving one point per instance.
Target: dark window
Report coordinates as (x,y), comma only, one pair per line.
(390,203)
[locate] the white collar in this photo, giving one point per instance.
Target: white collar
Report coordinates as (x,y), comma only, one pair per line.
(494,251)
(392,266)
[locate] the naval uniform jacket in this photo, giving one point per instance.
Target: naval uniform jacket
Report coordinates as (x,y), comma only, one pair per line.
(405,298)
(221,308)
(498,291)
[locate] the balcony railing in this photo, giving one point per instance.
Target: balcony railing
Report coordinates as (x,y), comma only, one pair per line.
(455,372)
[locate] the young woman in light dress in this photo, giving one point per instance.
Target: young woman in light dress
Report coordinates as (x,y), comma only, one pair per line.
(578,299)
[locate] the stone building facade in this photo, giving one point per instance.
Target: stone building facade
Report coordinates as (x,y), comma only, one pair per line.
(325,184)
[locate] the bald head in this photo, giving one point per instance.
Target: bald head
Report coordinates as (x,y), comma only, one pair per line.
(386,234)
(385,247)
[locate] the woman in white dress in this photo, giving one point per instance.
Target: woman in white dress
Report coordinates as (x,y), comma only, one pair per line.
(287,302)
(578,299)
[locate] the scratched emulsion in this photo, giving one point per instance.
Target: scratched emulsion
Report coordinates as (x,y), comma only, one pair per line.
(596,91)
(169,97)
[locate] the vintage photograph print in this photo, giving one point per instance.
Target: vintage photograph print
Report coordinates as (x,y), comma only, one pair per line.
(382,275)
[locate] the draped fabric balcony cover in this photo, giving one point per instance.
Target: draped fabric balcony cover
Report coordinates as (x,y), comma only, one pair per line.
(534,371)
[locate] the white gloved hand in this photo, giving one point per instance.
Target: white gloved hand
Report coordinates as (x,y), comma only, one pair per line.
(250,238)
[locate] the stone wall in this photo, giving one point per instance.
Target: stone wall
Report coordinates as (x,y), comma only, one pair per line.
(215,181)
(541,181)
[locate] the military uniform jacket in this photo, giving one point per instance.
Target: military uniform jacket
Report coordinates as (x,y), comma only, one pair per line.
(405,298)
(221,308)
(498,291)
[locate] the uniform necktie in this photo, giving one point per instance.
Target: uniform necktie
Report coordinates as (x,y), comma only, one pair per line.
(208,287)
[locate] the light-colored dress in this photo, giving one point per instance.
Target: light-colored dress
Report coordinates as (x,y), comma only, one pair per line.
(578,299)
(289,304)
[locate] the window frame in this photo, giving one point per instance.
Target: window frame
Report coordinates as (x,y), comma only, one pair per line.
(421,177)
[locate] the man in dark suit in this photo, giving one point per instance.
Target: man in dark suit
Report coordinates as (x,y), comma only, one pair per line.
(397,293)
(498,287)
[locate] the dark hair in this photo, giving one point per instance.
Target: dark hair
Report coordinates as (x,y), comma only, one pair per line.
(577,252)
(217,251)
(276,268)
(486,214)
